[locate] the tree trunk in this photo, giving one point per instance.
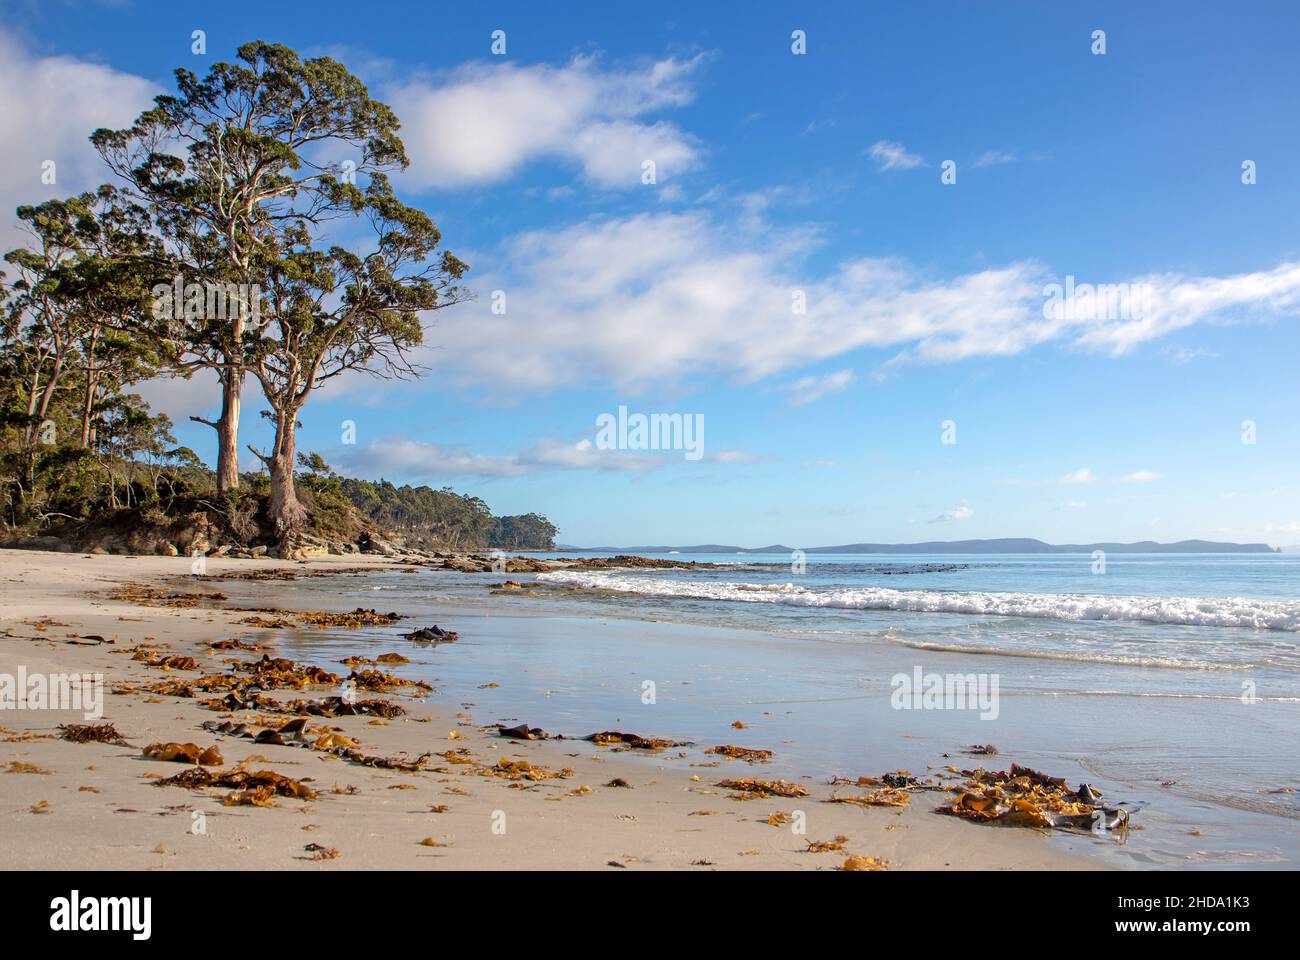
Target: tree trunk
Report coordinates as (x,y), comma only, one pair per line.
(285,510)
(232,382)
(88,403)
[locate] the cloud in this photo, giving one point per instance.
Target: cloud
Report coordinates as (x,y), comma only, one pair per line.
(1084,475)
(735,456)
(959,513)
(809,389)
(49,106)
(1181,354)
(892,155)
(658,296)
(480,123)
(993,158)
(402,457)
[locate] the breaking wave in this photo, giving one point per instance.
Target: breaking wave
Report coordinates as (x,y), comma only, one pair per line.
(1246,612)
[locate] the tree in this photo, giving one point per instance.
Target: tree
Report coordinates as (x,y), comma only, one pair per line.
(78,284)
(227,166)
(330,312)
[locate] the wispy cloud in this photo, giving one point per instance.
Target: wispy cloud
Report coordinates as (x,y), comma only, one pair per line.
(809,389)
(957,513)
(1084,476)
(653,297)
(892,155)
(404,458)
(994,158)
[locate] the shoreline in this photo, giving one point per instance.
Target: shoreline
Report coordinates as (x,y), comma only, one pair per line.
(98,806)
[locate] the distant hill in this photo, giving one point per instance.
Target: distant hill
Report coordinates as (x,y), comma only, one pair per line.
(1003,545)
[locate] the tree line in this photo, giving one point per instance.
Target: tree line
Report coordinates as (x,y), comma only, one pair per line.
(249,229)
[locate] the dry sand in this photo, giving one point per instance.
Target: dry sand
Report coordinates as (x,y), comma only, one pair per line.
(100,807)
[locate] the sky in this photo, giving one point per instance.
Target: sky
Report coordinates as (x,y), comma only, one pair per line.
(852,263)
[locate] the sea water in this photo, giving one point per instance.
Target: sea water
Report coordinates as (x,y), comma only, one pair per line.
(1174,680)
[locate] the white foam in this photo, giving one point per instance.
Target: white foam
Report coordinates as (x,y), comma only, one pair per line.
(1248,612)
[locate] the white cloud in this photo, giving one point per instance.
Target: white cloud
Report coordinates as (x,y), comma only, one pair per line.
(892,155)
(959,513)
(482,122)
(809,389)
(1085,475)
(49,106)
(735,456)
(993,158)
(402,457)
(658,296)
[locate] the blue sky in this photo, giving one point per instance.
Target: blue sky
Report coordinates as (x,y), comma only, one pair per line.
(779,173)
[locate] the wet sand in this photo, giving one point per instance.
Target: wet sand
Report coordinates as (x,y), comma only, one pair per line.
(97,806)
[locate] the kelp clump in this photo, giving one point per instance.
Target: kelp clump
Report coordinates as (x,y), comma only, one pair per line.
(256,786)
(752,788)
(1027,798)
(185,753)
(741,753)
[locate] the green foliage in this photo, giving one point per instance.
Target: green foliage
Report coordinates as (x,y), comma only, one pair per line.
(236,179)
(444,518)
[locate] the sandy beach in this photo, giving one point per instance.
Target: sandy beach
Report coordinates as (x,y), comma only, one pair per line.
(98,805)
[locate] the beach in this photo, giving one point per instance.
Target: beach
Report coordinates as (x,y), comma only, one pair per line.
(98,805)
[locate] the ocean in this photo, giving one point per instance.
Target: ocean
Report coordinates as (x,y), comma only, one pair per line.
(1171,681)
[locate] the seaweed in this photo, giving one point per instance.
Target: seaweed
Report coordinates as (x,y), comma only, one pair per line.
(93,733)
(741,753)
(19,766)
(827,846)
(256,785)
(1028,798)
(752,788)
(166,661)
(522,770)
(184,753)
(617,738)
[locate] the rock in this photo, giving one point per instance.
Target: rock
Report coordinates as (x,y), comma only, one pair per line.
(434,634)
(168,549)
(37,543)
(258,552)
(370,543)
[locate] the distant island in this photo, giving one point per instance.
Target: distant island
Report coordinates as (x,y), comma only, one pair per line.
(1001,545)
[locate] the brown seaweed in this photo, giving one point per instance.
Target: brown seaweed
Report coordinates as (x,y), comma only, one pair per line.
(617,738)
(93,733)
(184,753)
(242,781)
(752,788)
(741,753)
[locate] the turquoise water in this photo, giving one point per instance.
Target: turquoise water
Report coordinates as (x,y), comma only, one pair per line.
(1207,613)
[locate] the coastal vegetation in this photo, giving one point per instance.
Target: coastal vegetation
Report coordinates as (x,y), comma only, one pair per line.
(250,232)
